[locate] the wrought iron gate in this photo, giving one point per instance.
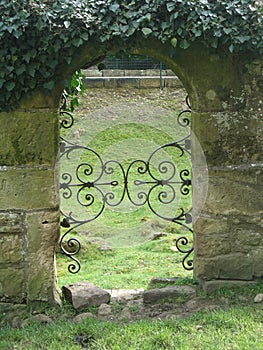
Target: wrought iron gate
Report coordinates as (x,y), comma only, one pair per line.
(102,187)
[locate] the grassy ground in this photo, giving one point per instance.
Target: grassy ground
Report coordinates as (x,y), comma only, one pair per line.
(130,267)
(126,125)
(131,264)
(236,328)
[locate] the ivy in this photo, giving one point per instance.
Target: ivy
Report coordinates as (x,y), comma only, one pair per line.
(38,37)
(73,89)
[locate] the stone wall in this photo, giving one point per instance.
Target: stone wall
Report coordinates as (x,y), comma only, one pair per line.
(29,213)
(130,79)
(226,97)
(228,233)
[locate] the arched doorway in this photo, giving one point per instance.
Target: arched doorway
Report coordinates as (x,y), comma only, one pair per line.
(184,217)
(156,176)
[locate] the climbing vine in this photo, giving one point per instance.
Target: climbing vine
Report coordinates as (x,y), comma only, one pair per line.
(38,37)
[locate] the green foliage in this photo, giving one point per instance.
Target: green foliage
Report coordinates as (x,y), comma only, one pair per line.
(38,38)
(74,88)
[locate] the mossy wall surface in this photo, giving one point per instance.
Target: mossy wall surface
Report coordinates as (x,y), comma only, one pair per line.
(29,209)
(226,97)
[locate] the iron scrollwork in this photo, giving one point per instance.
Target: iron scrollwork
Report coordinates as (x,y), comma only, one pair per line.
(95,186)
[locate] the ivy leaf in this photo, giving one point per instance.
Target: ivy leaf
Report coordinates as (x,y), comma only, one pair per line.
(27,57)
(21,69)
(242,39)
(10,85)
(197,32)
(184,44)
(124,28)
(146,31)
(78,42)
(170,6)
(84,36)
(2,81)
(114,7)
(131,31)
(227,30)
(40,24)
(173,42)
(49,85)
(67,24)
(31,71)
(231,48)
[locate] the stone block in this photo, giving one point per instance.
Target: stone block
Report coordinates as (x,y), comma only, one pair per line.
(126,83)
(84,294)
(105,312)
(43,235)
(169,72)
(229,138)
(29,138)
(14,291)
(11,223)
(113,73)
(11,247)
(110,83)
(92,72)
(234,233)
(40,318)
(150,82)
(83,316)
(235,191)
(28,188)
(205,269)
(210,225)
(257,257)
(211,286)
(213,245)
(143,72)
(172,82)
(235,267)
(134,72)
(174,292)
(247,238)
(91,82)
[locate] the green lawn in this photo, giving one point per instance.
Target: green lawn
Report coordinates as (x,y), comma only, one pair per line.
(129,267)
(238,328)
(126,125)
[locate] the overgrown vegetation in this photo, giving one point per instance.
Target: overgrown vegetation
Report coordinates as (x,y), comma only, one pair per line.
(38,38)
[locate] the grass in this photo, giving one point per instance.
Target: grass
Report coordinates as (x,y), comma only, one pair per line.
(238,328)
(131,264)
(130,267)
(126,125)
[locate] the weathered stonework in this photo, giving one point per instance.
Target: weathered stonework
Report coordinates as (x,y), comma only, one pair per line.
(29,210)
(228,233)
(41,250)
(28,188)
(226,94)
(28,137)
(12,284)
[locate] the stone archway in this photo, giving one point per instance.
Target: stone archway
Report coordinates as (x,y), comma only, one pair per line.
(226,97)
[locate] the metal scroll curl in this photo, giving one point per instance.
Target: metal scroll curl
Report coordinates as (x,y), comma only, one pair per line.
(95,184)
(187,261)
(66,118)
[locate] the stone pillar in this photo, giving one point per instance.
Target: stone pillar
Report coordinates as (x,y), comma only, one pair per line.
(29,205)
(228,232)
